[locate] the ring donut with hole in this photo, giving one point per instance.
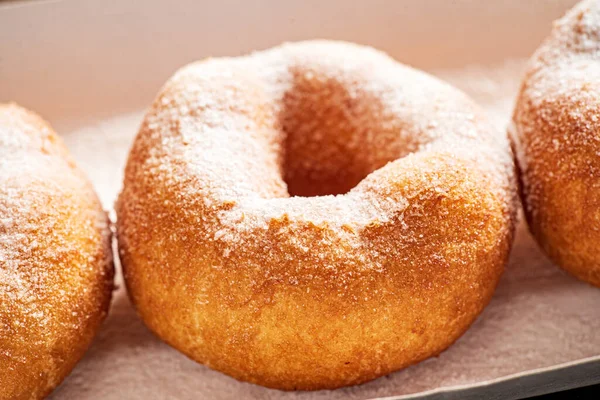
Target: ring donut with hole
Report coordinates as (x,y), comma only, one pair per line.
(314,215)
(56,265)
(555,135)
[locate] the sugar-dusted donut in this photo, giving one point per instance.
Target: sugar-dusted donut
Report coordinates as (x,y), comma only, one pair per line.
(556,134)
(55,258)
(313,216)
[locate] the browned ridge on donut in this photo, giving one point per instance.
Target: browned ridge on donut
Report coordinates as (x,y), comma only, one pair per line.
(55,258)
(313,216)
(556,125)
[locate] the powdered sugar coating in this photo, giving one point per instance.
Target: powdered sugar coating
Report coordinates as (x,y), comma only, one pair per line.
(556,124)
(55,259)
(319,291)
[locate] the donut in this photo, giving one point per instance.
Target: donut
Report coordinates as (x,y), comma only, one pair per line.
(56,268)
(313,216)
(555,135)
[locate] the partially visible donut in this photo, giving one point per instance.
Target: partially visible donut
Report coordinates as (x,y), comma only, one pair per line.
(236,252)
(55,258)
(556,135)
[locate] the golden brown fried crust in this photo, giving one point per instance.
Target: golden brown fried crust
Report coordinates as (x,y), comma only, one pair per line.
(56,267)
(556,125)
(313,292)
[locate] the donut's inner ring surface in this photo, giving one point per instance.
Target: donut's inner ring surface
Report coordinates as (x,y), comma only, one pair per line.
(336,132)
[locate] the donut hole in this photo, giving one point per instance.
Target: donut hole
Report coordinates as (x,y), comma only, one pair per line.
(336,133)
